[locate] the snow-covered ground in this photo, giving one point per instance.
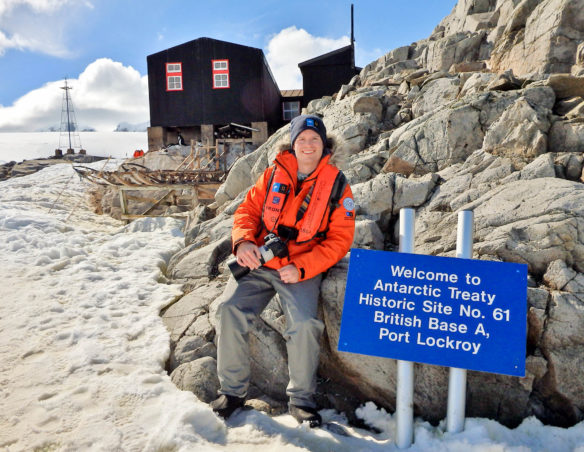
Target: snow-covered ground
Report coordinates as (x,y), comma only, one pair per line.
(82,347)
(27,146)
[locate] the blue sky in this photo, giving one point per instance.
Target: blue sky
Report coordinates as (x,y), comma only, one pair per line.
(102,44)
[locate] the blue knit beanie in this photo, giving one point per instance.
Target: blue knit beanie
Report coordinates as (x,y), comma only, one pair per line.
(304,122)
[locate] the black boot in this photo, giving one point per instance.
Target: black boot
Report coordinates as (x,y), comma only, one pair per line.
(306,414)
(225,405)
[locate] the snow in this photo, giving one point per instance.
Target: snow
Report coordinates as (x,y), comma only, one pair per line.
(82,346)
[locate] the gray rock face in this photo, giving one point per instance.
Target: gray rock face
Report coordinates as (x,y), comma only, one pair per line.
(199,377)
(501,134)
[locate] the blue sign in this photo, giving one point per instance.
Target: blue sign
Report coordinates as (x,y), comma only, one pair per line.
(452,312)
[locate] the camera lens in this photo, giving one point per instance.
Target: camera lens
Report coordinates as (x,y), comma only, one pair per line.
(238,271)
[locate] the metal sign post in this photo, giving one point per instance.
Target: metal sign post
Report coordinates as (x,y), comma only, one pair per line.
(405,369)
(457,377)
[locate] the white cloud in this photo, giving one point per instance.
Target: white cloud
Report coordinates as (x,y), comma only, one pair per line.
(37,25)
(292,46)
(105,94)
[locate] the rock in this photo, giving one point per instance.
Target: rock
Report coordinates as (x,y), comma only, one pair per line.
(196,263)
(434,94)
(563,341)
(457,128)
(467,66)
(368,235)
(576,112)
(199,377)
(202,327)
(566,136)
(558,275)
(568,165)
(190,348)
(481,21)
(525,237)
(412,192)
(316,106)
(440,55)
(563,106)
(540,36)
(345,89)
(200,234)
(504,82)
(402,116)
(426,77)
(365,166)
(181,315)
(477,82)
(420,74)
(566,85)
(368,104)
(520,133)
(580,54)
(375,196)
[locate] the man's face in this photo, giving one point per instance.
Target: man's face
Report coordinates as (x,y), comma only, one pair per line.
(308,148)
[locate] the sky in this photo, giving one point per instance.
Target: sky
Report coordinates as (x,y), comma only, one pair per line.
(101,46)
(82,359)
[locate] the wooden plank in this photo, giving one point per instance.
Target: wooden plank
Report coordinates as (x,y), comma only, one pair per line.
(123,203)
(157,203)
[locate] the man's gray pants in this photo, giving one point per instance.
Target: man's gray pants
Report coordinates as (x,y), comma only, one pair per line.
(244,300)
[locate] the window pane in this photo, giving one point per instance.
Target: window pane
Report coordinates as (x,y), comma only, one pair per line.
(290,109)
(221,81)
(174,83)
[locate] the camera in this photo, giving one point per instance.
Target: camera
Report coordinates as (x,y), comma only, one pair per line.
(273,247)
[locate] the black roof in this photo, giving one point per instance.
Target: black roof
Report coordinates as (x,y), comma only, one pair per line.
(207,39)
(322,59)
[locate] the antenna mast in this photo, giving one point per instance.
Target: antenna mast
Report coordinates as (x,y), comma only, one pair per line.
(68,130)
(352,27)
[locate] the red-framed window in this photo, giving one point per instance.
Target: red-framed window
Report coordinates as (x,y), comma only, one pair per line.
(174,77)
(220,74)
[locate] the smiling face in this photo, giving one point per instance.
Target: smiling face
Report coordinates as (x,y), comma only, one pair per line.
(308,148)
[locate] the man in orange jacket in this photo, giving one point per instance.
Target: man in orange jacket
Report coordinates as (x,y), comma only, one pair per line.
(305,201)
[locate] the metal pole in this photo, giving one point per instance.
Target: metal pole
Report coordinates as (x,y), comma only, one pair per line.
(68,119)
(405,369)
(457,377)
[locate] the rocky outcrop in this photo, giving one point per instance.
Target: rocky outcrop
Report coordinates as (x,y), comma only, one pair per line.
(470,118)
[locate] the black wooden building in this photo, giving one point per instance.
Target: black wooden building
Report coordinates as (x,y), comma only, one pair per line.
(198,88)
(206,83)
(324,75)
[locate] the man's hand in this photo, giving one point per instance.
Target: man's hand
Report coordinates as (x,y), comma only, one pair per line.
(248,255)
(289,274)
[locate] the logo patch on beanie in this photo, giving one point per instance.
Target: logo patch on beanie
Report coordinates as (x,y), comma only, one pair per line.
(311,123)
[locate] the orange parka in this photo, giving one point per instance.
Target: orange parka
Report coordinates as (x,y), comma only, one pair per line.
(314,256)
